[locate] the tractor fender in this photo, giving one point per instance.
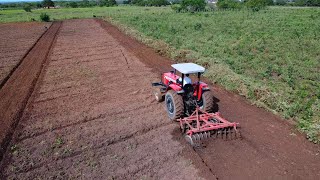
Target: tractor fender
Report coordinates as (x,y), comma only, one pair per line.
(174,87)
(203,87)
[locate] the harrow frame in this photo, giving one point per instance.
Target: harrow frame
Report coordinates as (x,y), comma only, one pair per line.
(201,124)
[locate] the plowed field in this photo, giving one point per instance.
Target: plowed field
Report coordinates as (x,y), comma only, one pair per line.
(92,115)
(16,40)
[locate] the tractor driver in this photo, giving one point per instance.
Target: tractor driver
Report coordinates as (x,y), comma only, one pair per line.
(186,80)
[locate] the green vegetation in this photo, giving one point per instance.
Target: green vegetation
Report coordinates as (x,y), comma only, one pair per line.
(254,5)
(148,2)
(307,3)
(257,5)
(193,5)
(47,3)
(27,8)
(229,4)
(44,17)
(272,57)
(108,3)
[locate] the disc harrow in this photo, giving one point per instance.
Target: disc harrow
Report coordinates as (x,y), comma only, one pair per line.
(202,125)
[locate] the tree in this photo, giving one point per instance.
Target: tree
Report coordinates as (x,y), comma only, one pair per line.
(193,5)
(229,4)
(127,2)
(139,2)
(256,5)
(108,3)
(73,4)
(27,8)
(307,3)
(112,2)
(85,3)
(39,5)
(47,3)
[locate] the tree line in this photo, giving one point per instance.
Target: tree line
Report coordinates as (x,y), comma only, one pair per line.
(49,3)
(177,5)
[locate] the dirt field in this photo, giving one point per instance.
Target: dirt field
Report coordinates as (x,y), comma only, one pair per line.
(92,116)
(17,89)
(16,40)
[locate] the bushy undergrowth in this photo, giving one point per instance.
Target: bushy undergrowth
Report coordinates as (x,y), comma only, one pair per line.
(193,5)
(254,5)
(44,17)
(307,3)
(271,56)
(150,2)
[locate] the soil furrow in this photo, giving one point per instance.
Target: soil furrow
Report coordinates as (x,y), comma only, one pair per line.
(97,147)
(19,62)
(83,121)
(112,110)
(22,79)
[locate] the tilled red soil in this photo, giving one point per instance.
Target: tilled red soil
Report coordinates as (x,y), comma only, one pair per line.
(15,93)
(16,40)
(93,116)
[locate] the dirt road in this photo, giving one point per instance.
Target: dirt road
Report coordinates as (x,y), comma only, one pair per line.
(92,115)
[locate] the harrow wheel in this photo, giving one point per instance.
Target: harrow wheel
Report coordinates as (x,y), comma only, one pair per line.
(174,105)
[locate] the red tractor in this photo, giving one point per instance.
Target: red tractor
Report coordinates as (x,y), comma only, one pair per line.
(191,104)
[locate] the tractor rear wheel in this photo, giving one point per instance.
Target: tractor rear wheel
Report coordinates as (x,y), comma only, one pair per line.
(206,103)
(174,105)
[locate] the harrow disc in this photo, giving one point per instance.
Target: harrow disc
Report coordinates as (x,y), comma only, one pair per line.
(190,140)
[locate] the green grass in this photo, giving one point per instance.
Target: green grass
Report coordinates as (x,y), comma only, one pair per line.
(67,13)
(272,57)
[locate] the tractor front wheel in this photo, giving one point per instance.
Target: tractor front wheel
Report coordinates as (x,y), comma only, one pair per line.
(158,95)
(174,105)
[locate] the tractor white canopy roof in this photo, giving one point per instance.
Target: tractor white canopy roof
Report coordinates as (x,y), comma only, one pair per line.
(188,68)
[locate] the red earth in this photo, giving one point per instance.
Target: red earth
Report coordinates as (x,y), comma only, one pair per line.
(16,41)
(92,115)
(19,84)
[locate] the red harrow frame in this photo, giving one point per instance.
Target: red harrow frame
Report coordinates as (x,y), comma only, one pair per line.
(182,98)
(201,125)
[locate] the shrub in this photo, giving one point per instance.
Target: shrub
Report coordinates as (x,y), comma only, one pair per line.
(280,2)
(108,3)
(176,7)
(126,1)
(73,5)
(150,2)
(44,17)
(229,4)
(47,3)
(193,5)
(307,3)
(27,8)
(157,2)
(256,5)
